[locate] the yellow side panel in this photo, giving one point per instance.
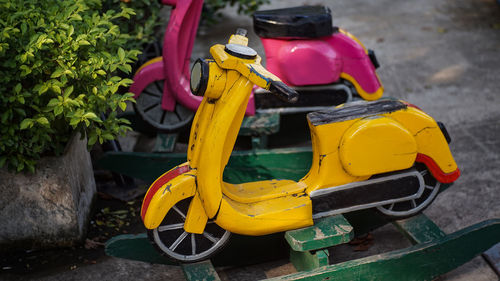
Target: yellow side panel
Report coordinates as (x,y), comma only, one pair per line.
(377,145)
(429,138)
(261,190)
(265,217)
(326,169)
(167,196)
(196,219)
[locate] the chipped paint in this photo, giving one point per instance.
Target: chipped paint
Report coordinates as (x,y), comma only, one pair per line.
(167,188)
(318,234)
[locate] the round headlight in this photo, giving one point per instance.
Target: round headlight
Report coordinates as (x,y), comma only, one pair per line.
(199,77)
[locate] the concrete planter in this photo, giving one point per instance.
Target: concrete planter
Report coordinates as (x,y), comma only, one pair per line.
(51,207)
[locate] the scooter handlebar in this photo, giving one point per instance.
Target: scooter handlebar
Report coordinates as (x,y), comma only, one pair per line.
(284,92)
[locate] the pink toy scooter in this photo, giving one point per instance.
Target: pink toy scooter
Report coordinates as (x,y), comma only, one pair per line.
(334,61)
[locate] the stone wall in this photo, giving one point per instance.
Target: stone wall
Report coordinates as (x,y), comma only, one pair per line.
(51,207)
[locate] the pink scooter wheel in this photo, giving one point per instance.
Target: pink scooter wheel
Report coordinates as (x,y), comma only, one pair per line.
(148,106)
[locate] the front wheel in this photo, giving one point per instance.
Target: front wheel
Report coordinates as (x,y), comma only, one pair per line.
(172,241)
(412,207)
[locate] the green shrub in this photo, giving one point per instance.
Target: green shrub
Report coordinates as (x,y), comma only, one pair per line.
(212,8)
(144,26)
(57,65)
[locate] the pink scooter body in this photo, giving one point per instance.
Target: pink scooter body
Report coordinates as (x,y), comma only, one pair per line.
(322,61)
(298,62)
(174,67)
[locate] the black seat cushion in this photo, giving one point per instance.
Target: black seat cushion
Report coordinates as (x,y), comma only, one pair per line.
(354,110)
(301,22)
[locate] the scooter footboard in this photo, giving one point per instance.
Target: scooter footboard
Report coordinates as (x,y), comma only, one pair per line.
(165,192)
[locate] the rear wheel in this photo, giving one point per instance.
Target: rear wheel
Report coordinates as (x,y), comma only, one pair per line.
(411,207)
(172,241)
(148,106)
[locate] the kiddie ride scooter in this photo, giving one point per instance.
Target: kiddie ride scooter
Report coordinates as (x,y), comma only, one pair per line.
(384,154)
(327,65)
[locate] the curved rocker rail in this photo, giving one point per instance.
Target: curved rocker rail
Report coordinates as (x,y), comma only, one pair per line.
(423,261)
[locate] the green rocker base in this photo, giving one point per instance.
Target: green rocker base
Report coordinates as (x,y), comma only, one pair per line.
(433,253)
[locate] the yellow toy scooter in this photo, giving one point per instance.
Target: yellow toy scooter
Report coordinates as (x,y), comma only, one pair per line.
(385,154)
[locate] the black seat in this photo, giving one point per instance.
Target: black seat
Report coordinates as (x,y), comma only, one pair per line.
(354,110)
(301,22)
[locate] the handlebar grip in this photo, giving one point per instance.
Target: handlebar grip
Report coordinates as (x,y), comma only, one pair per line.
(283,92)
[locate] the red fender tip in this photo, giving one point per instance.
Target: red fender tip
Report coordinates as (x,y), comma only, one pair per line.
(436,172)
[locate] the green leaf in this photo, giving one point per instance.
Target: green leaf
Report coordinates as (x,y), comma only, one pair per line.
(68,91)
(122,106)
(90,115)
(42,121)
(92,140)
(43,89)
(58,110)
(53,102)
(17,88)
(56,89)
(121,54)
(25,70)
(59,71)
(74,121)
(83,43)
(25,123)
(23,27)
(108,136)
(20,167)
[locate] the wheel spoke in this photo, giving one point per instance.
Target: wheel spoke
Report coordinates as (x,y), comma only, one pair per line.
(162,119)
(178,241)
(159,86)
(170,227)
(151,107)
(156,95)
(413,203)
(177,114)
(193,244)
(429,187)
(179,212)
(210,237)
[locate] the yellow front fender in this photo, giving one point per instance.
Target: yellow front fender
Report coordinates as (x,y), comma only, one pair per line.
(165,197)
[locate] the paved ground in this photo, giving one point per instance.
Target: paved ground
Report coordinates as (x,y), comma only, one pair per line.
(442,55)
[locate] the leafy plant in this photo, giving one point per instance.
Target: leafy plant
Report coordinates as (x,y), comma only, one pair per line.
(211,12)
(142,27)
(57,65)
